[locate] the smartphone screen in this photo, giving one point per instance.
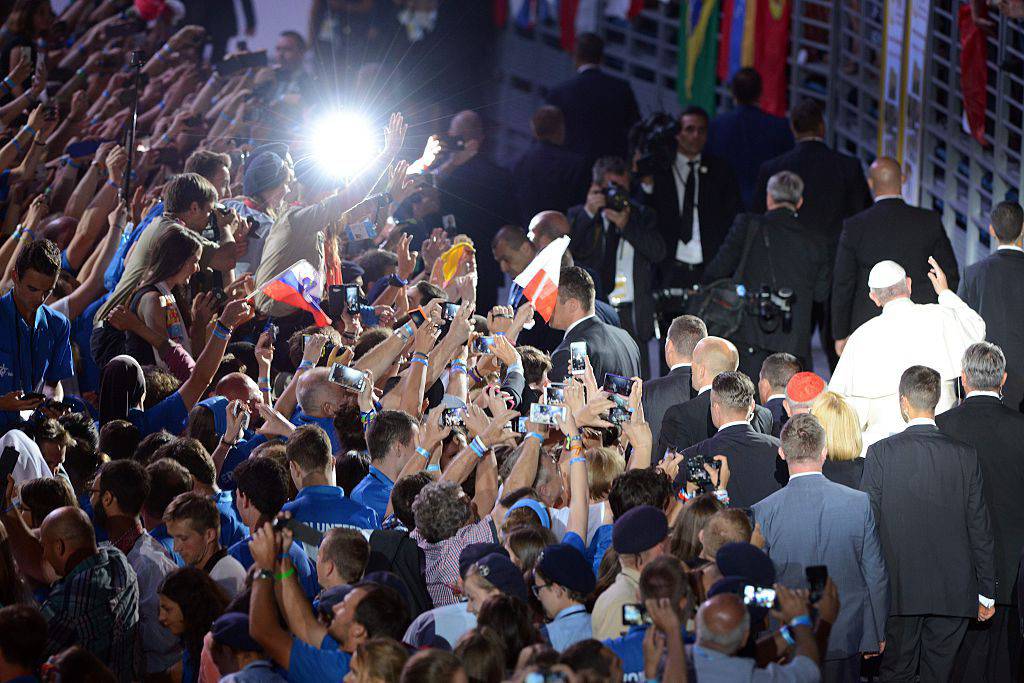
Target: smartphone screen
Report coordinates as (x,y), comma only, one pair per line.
(635,615)
(335,300)
(350,378)
(545,414)
(762,597)
(555,393)
(416,315)
(352,299)
(617,384)
(817,577)
(577,357)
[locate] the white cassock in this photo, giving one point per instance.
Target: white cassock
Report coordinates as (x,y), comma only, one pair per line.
(905,334)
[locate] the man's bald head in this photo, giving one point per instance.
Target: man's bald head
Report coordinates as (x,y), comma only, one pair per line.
(237,386)
(711,357)
(467,125)
(723,623)
(64,532)
(547,226)
(317,395)
(885,177)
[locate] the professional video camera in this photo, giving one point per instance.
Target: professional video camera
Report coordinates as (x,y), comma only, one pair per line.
(654,139)
(616,197)
(774,309)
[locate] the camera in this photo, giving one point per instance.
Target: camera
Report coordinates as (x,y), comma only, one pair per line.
(453,417)
(654,140)
(762,597)
(696,474)
(774,309)
(616,197)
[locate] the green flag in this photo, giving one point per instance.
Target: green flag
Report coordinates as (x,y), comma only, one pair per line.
(698,53)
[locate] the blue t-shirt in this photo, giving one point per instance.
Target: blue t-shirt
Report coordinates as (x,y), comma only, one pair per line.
(169,414)
(30,357)
(165,539)
(630,649)
(599,545)
(300,418)
(305,570)
(307,663)
(112,275)
(232,529)
(239,453)
(374,491)
(327,507)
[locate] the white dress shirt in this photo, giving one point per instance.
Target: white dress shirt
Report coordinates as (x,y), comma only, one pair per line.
(1009,247)
(688,252)
(734,423)
(905,334)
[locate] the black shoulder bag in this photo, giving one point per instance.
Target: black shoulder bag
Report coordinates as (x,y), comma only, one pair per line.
(723,303)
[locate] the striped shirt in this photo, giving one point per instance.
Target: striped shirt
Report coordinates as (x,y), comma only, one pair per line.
(442,558)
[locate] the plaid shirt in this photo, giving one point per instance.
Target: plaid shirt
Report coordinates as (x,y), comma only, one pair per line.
(442,559)
(97,606)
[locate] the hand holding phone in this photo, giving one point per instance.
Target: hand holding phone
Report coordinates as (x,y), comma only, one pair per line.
(578,358)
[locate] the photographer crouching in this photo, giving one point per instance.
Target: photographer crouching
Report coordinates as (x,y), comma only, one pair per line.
(782,268)
(617,240)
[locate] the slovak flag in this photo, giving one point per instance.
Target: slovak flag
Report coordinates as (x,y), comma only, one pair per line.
(301,286)
(539,280)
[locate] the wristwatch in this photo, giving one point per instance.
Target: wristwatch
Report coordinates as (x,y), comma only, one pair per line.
(265,575)
(395,281)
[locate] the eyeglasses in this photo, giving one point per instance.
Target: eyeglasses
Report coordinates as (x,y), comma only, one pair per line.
(538,587)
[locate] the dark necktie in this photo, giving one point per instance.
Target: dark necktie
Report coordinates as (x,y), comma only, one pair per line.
(689,192)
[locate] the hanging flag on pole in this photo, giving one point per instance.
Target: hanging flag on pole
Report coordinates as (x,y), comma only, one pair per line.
(300,286)
(539,280)
(698,53)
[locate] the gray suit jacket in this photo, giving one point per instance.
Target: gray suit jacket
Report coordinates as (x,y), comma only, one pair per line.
(815,521)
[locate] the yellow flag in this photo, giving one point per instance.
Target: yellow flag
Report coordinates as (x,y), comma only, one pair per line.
(451,259)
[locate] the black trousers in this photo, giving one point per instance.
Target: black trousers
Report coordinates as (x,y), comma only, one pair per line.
(841,670)
(991,649)
(923,642)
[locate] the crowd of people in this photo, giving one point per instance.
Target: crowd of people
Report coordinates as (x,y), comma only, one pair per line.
(263,423)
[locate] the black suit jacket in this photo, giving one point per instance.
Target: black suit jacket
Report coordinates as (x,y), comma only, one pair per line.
(479,194)
(834,186)
(686,424)
(718,203)
(599,110)
(610,348)
(889,230)
(549,178)
(994,287)
(796,257)
(778,411)
(595,248)
(997,434)
(662,393)
(753,463)
(927,498)
(746,137)
(845,472)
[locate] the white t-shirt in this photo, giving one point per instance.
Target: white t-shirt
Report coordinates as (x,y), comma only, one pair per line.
(229,574)
(560,520)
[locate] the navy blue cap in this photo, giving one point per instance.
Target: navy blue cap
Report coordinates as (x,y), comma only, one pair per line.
(563,564)
(639,529)
(350,270)
(264,172)
(503,575)
(329,597)
(474,552)
(390,580)
(278,148)
(746,561)
(232,629)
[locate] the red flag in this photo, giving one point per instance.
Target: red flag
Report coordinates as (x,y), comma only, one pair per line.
(635,6)
(724,41)
(539,280)
(567,20)
(973,73)
(771,51)
(500,13)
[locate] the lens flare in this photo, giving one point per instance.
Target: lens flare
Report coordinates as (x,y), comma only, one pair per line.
(344,142)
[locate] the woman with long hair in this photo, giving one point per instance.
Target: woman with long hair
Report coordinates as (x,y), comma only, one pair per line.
(510,619)
(13,589)
(29,21)
(378,660)
(842,439)
(684,537)
(162,300)
(190,601)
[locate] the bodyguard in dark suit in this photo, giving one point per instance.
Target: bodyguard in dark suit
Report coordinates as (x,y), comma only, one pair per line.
(994,287)
(610,349)
(927,499)
(746,136)
(662,393)
(478,193)
(783,254)
(621,246)
(599,108)
(991,650)
(549,177)
(696,200)
(813,521)
(890,230)
(834,189)
(776,371)
(690,423)
(752,458)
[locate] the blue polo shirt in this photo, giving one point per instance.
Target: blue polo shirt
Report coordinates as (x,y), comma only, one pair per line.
(112,275)
(232,529)
(630,649)
(307,663)
(31,356)
(165,539)
(305,570)
(374,491)
(327,507)
(300,418)
(169,414)
(569,626)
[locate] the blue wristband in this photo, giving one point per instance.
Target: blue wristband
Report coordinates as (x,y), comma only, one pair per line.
(802,620)
(305,364)
(477,446)
(433,467)
(424,452)
(787,636)
(577,459)
(534,435)
(422,361)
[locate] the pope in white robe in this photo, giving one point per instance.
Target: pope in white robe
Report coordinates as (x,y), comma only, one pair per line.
(905,334)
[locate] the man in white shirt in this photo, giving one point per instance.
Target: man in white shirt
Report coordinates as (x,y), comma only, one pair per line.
(194,522)
(905,334)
